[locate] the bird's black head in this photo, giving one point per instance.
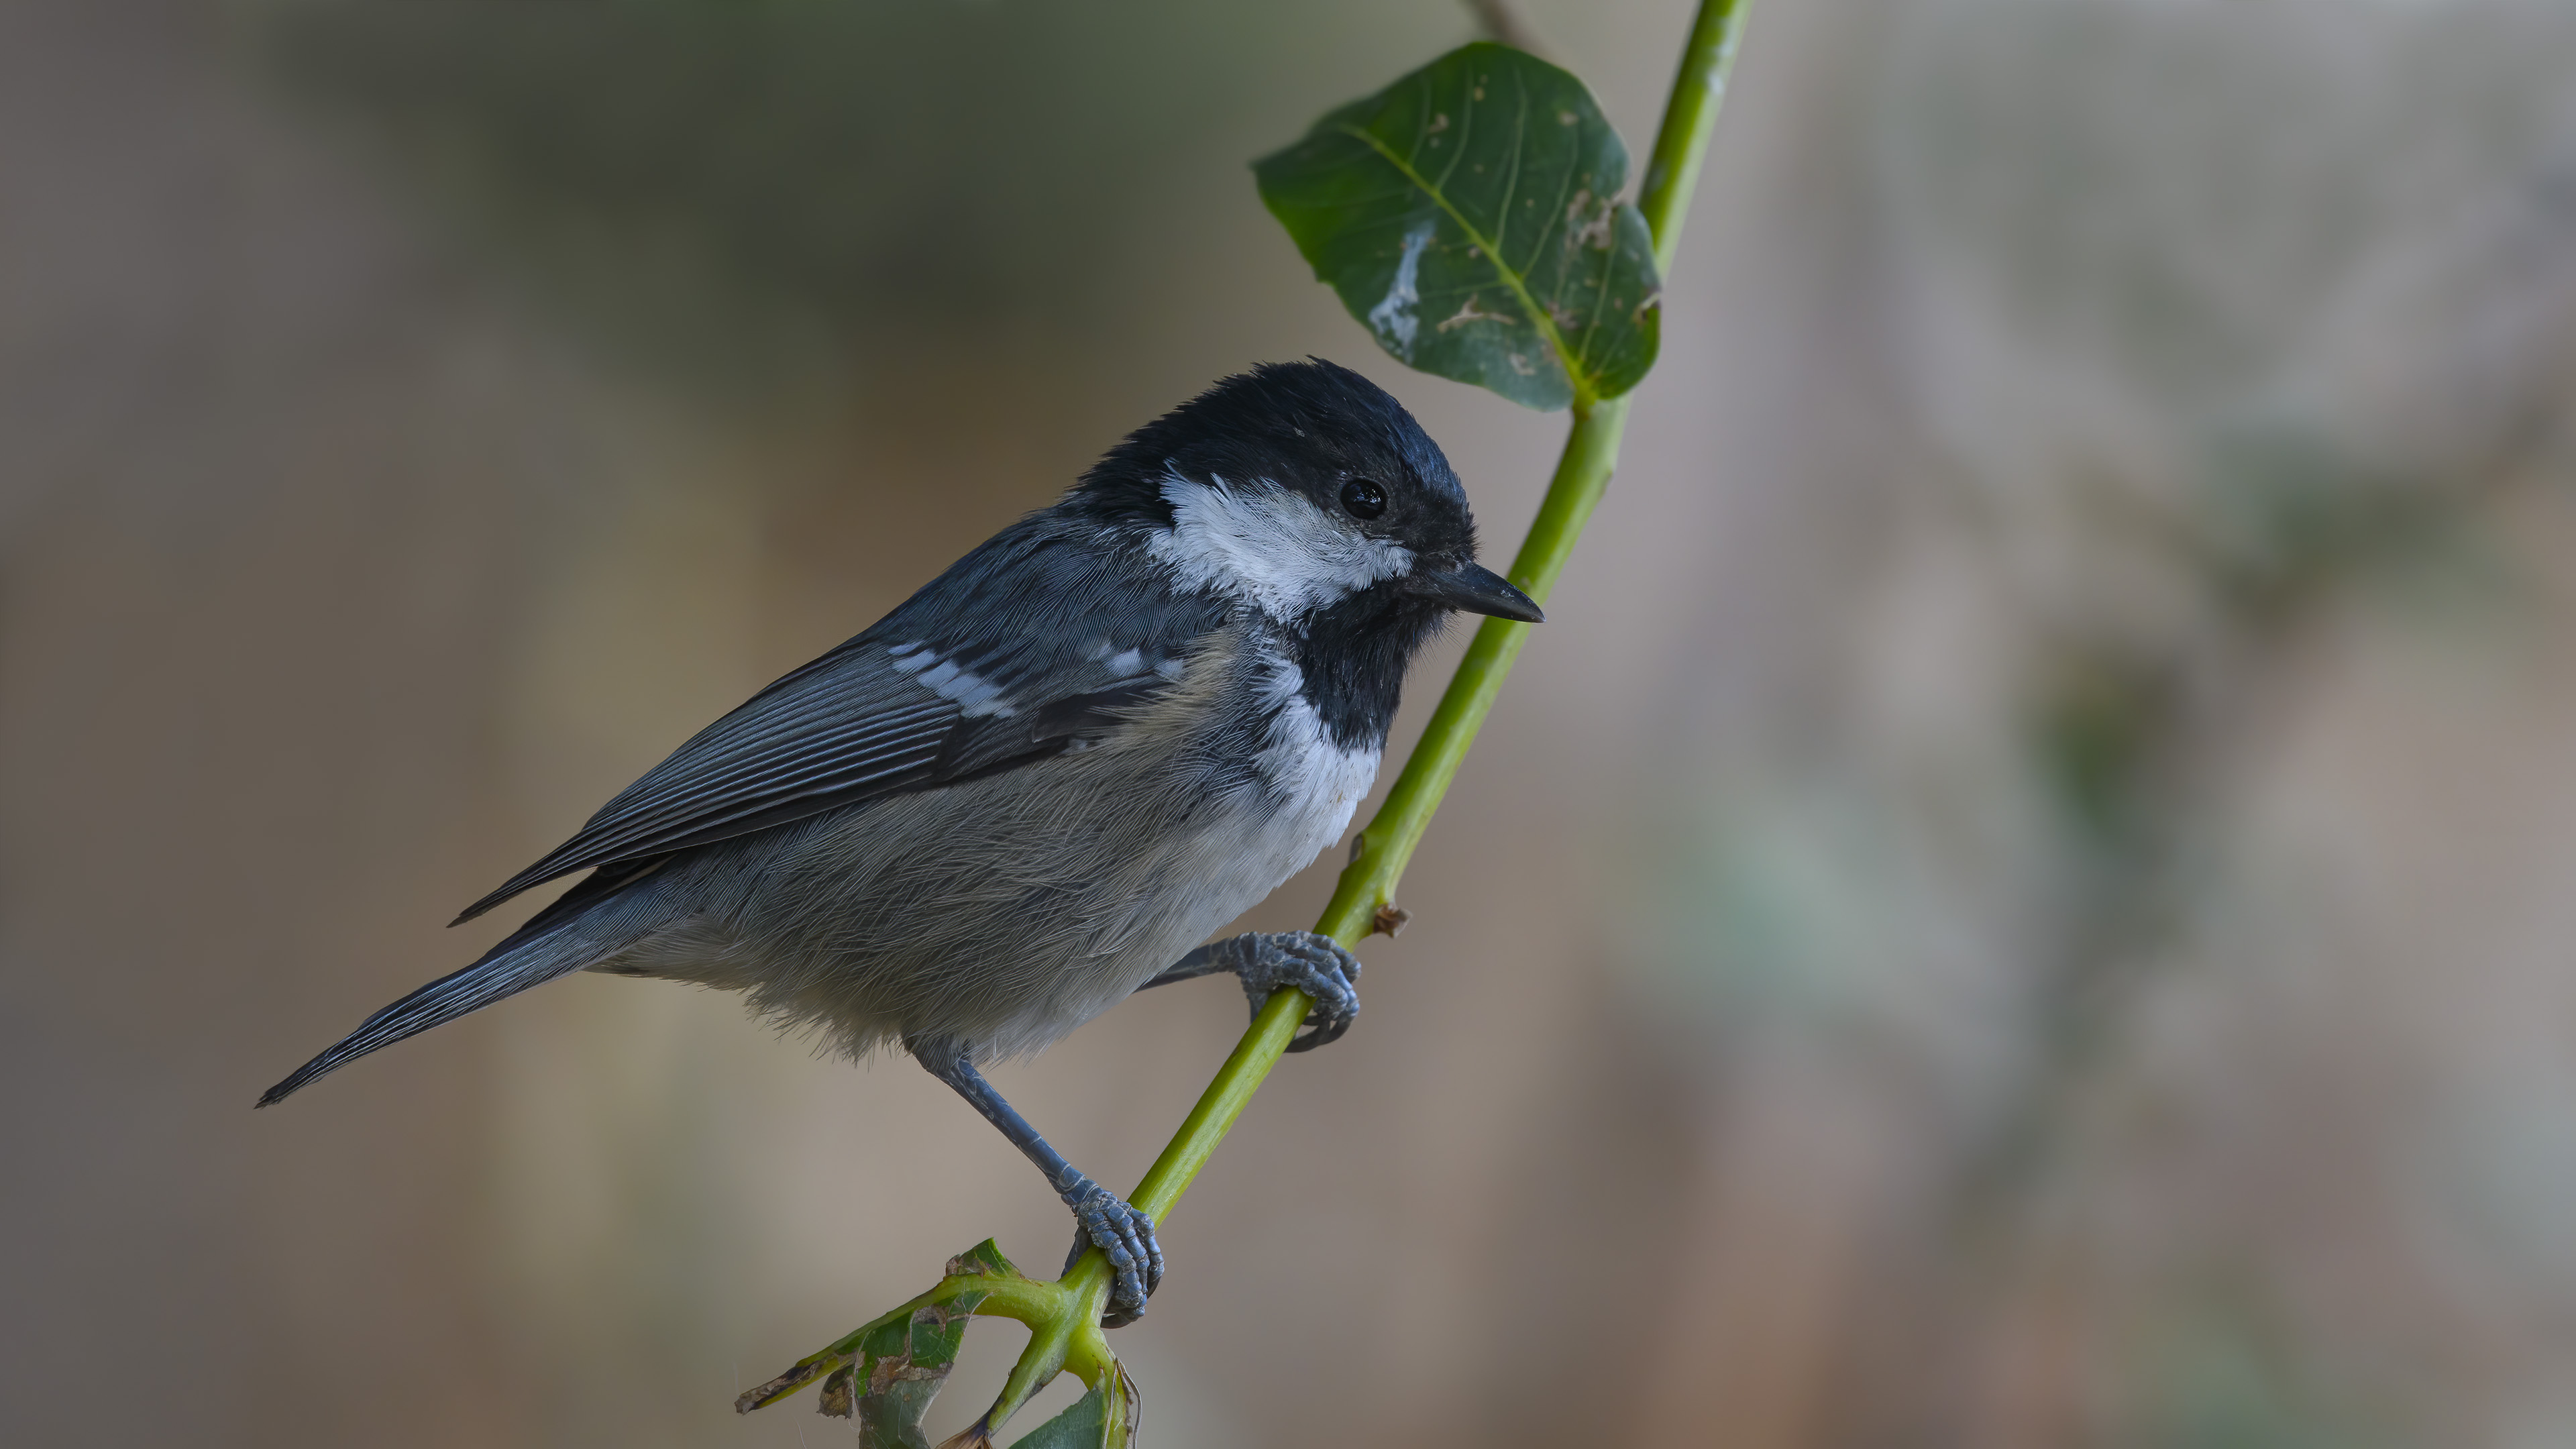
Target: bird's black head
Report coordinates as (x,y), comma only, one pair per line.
(1305,490)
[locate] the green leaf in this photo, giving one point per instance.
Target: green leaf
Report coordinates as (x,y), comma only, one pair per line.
(892,1420)
(1104,1418)
(886,1372)
(1469,216)
(983,1258)
(902,1363)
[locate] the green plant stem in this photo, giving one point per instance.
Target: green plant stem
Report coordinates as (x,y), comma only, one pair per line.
(1063,1317)
(1388,841)
(1672,172)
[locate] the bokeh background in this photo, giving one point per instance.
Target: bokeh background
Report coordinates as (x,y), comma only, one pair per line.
(2026,896)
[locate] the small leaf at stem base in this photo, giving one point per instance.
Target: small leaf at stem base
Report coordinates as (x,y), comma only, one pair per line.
(1104,1418)
(838,1401)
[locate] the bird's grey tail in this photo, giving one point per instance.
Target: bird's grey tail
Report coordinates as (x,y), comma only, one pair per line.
(513,966)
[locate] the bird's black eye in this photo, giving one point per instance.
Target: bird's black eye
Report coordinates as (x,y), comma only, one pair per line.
(1363,498)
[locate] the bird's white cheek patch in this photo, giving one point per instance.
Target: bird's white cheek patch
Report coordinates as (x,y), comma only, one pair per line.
(1269,546)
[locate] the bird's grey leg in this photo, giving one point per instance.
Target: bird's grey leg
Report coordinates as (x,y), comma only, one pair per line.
(1120,1231)
(1267,960)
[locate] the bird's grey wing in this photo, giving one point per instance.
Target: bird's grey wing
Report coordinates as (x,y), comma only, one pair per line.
(895,709)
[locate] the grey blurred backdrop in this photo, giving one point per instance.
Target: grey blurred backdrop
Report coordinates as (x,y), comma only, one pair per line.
(2026,896)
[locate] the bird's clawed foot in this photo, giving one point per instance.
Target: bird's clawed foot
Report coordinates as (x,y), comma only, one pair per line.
(1316,965)
(1125,1236)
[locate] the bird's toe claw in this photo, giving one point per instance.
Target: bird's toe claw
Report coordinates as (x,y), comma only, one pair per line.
(1317,965)
(1125,1236)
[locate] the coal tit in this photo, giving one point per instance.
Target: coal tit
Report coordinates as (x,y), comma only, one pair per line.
(1026,792)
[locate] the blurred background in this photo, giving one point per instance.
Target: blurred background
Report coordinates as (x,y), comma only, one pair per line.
(2024,898)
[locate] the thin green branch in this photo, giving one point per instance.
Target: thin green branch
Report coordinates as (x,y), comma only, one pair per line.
(1672,171)
(1064,1317)
(1387,844)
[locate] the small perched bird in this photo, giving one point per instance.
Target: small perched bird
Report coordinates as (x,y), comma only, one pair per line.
(1026,792)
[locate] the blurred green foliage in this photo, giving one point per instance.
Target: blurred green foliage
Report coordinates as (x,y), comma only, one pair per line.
(2217,1378)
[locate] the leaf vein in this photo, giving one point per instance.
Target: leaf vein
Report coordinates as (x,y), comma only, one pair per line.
(1510,278)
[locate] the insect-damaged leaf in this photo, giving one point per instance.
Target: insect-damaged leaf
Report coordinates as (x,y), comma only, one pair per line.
(886,1373)
(983,1258)
(900,1367)
(1469,216)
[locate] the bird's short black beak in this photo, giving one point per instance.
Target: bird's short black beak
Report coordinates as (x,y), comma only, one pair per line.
(1475,589)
